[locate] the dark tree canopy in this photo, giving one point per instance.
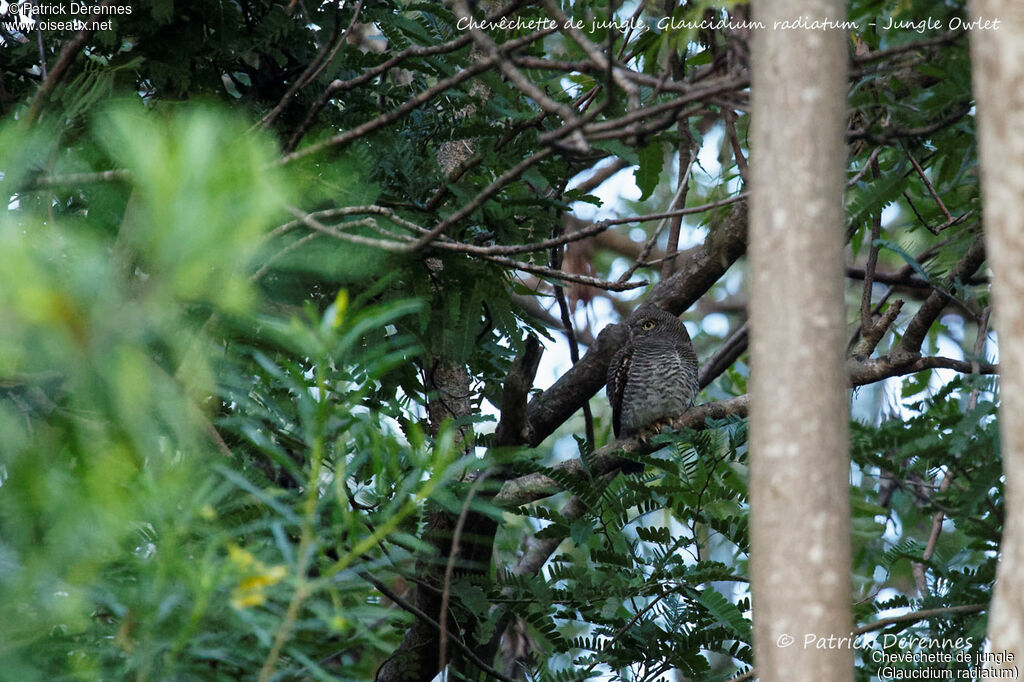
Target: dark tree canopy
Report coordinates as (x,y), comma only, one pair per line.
(276,279)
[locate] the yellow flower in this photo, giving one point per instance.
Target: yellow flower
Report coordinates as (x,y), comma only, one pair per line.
(243,601)
(337,311)
(240,557)
(251,591)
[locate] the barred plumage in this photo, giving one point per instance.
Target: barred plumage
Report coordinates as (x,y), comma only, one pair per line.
(653,377)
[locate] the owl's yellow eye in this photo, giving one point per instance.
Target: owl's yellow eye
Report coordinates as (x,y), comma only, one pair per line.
(648,324)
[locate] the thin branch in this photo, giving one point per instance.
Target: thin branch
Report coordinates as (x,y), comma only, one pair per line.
(532,308)
(576,235)
(587,66)
(390,117)
(727,353)
(310,221)
(594,52)
(867,166)
(574,357)
(947,480)
(449,570)
(411,608)
(937,300)
(600,175)
(566,276)
(904,277)
(870,370)
(263,269)
(67,55)
(313,68)
(889,134)
(931,188)
(403,244)
(873,333)
(943,39)
(869,269)
(337,47)
(671,106)
(515,75)
(737,148)
(684,182)
(42,54)
(484,194)
(77,179)
(676,223)
(339,86)
(916,616)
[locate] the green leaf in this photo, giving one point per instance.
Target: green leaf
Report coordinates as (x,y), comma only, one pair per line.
(652,160)
(726,612)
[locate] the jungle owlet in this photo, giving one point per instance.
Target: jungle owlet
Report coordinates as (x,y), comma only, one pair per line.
(653,377)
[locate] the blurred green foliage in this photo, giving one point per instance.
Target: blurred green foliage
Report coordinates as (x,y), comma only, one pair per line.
(134,541)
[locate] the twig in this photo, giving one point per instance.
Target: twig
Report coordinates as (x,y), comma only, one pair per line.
(42,54)
(310,221)
(867,166)
(684,182)
(263,269)
(338,86)
(574,351)
(947,480)
(314,67)
(77,179)
(450,568)
(936,301)
(594,52)
(723,358)
(403,244)
(928,184)
(500,182)
(676,222)
(904,277)
(587,66)
(411,608)
(889,134)
(67,55)
(918,616)
(566,276)
(734,141)
(414,103)
(532,308)
(870,370)
(515,75)
(943,39)
(874,332)
(671,106)
(866,322)
(337,46)
(600,175)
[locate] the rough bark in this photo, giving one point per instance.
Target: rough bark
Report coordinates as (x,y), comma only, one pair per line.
(800,530)
(998,73)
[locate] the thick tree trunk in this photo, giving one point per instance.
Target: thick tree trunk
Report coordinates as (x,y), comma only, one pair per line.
(800,553)
(997,55)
